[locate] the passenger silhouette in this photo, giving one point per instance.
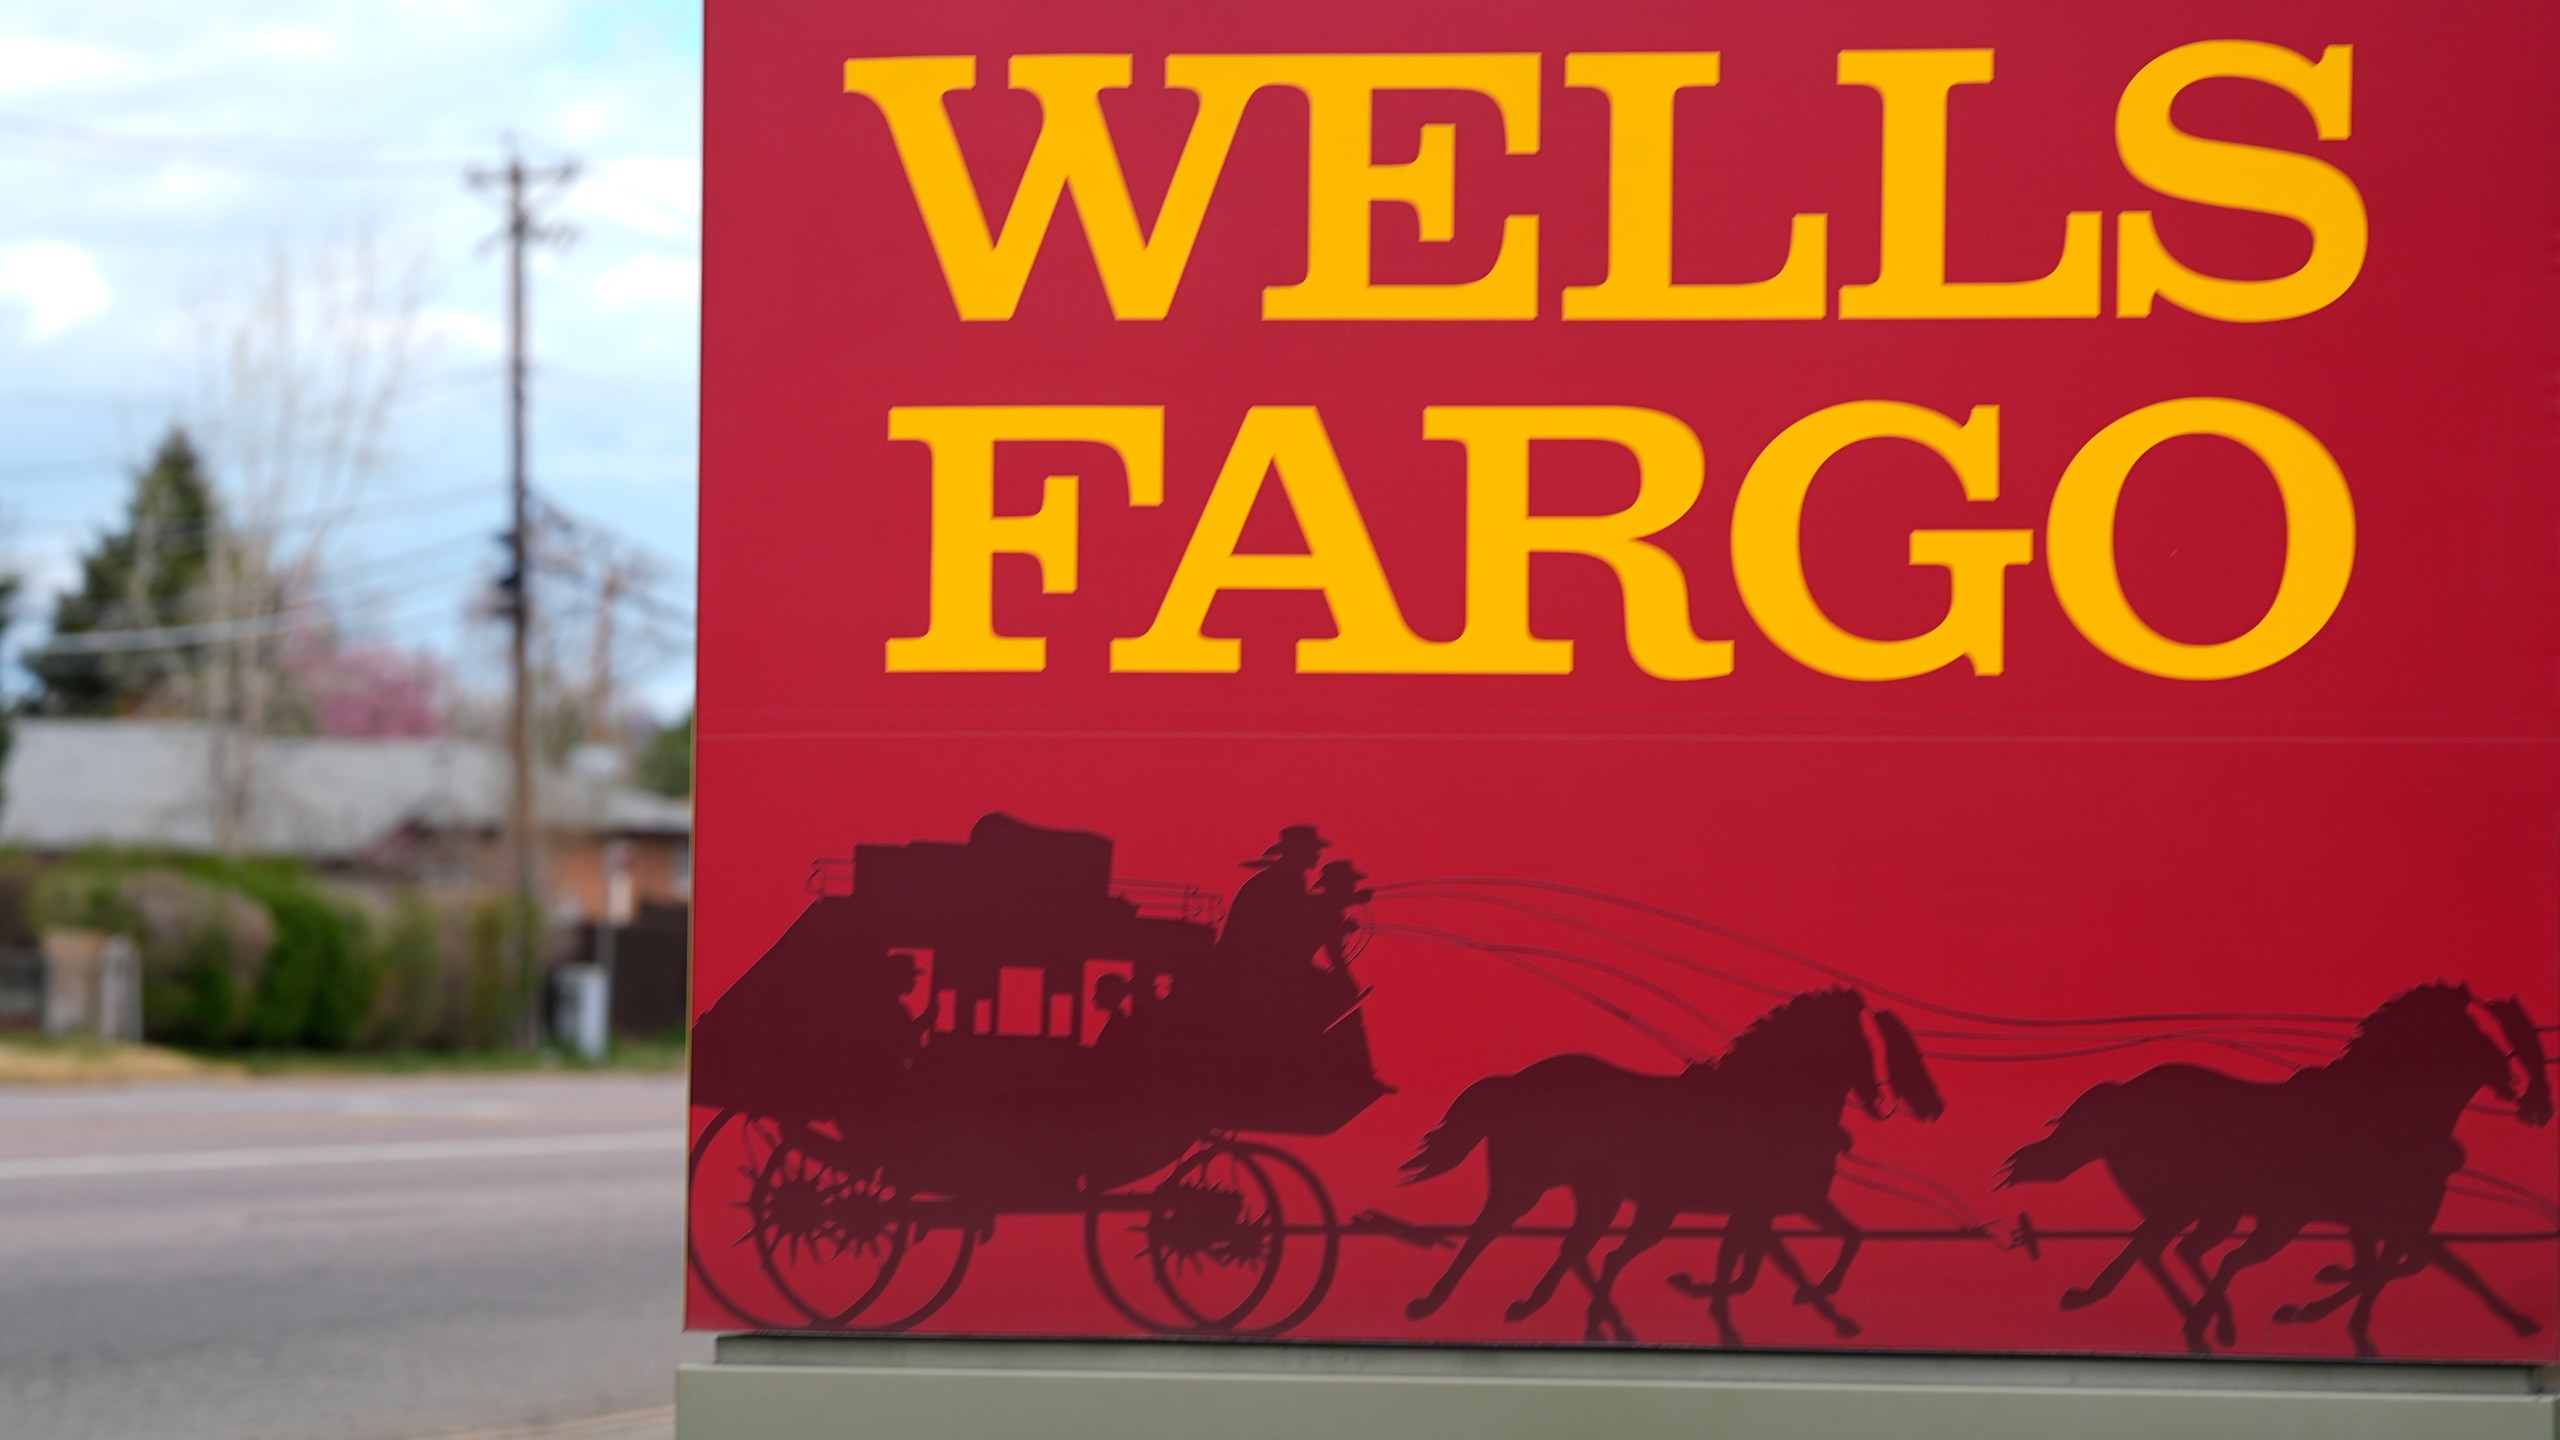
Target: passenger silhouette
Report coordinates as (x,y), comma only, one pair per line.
(1117,998)
(1275,925)
(1337,893)
(881,1036)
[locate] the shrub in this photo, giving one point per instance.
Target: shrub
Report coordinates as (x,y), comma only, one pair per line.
(264,954)
(413,1005)
(197,1001)
(86,894)
(504,935)
(18,876)
(319,983)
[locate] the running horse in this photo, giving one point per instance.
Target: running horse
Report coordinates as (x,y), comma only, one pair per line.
(1752,1135)
(2364,1142)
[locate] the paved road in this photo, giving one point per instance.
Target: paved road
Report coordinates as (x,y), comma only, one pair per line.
(341,1260)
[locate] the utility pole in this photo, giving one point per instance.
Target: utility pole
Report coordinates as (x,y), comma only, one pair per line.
(523,834)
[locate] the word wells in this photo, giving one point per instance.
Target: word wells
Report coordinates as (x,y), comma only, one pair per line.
(1284,453)
(1142,265)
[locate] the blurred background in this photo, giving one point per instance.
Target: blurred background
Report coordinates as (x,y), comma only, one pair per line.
(347,436)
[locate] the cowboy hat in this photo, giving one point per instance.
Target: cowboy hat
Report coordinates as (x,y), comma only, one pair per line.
(1294,840)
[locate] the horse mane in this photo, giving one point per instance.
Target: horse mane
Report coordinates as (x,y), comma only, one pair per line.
(1776,1039)
(2411,1020)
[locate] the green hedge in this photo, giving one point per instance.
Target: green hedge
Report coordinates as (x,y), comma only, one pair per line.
(333,975)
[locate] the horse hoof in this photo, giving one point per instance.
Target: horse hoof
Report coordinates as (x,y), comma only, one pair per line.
(2075,1299)
(1422,1309)
(1690,1286)
(2331,1275)
(2226,1331)
(1520,1310)
(1844,1327)
(2523,1326)
(2288,1314)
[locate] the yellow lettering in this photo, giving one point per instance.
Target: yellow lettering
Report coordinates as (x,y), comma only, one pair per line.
(1344,182)
(2238,177)
(1340,563)
(1911,277)
(2320,538)
(1768,557)
(1502,535)
(986,272)
(1641,89)
(960,631)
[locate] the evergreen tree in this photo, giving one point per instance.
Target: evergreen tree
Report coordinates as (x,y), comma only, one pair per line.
(667,765)
(142,576)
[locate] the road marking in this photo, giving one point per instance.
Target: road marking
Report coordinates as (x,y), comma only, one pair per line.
(170,1162)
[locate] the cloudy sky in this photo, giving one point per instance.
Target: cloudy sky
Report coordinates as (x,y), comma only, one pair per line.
(157,155)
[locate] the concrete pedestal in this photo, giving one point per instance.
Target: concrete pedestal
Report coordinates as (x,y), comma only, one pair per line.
(774,1388)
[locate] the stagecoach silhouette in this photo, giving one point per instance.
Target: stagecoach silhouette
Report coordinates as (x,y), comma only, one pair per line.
(953,1033)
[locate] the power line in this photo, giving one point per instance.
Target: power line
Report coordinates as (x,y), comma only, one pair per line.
(356,512)
(372,582)
(307,613)
(308,620)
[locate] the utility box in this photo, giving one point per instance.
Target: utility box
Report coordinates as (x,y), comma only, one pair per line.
(581,1009)
(1837,722)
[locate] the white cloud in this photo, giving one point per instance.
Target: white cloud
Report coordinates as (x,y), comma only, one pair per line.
(297,43)
(651,280)
(658,195)
(28,63)
(58,285)
(466,330)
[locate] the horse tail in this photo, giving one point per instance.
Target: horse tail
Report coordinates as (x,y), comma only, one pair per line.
(1465,1127)
(2533,1106)
(2080,1136)
(1904,1070)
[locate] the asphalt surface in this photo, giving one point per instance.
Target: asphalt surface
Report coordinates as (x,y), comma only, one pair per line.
(342,1259)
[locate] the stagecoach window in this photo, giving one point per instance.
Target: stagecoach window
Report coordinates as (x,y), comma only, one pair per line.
(1019,997)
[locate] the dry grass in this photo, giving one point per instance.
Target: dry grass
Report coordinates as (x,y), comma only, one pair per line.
(34,1060)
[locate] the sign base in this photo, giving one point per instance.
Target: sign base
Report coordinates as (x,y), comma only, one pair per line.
(795,1388)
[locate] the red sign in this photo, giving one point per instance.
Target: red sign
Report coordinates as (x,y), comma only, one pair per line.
(1565,674)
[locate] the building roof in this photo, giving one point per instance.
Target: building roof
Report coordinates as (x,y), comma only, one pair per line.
(72,784)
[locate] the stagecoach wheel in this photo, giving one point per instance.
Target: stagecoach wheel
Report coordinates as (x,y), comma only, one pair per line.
(937,1257)
(1212,1236)
(1256,1207)
(1207,1241)
(762,1185)
(1307,1276)
(829,1237)
(714,1222)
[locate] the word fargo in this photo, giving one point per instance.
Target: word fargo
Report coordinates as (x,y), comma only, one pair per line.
(1630,674)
